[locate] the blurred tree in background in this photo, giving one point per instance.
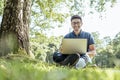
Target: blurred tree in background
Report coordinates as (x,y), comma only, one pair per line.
(107,51)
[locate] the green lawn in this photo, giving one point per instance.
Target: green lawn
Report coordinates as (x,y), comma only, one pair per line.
(24,68)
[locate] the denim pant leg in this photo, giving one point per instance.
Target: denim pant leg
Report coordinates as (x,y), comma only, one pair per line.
(58,57)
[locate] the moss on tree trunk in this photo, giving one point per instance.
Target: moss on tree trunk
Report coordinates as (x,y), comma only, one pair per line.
(14,28)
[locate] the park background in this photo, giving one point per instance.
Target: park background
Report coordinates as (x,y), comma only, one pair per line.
(49,22)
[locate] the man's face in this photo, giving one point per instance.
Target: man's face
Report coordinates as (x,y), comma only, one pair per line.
(76,24)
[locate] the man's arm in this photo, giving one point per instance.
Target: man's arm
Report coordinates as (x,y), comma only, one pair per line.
(92,51)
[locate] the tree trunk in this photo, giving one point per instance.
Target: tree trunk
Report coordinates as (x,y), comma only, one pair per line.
(14,30)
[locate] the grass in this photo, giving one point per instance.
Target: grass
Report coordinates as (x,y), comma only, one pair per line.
(24,68)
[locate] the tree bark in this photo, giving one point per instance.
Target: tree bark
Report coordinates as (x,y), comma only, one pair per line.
(14,30)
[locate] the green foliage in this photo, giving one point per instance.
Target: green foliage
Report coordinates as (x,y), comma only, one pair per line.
(98,42)
(105,58)
(83,7)
(100,5)
(116,45)
(43,47)
(45,16)
(107,51)
(47,8)
(1,6)
(22,70)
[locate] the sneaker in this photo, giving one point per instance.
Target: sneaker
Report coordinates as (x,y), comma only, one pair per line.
(71,60)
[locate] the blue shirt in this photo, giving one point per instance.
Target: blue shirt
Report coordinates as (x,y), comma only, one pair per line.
(82,35)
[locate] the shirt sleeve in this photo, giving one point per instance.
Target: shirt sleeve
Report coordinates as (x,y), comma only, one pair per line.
(91,40)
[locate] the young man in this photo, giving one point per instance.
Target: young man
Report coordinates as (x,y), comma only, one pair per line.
(78,60)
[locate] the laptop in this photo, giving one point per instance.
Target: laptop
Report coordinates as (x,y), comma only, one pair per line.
(71,46)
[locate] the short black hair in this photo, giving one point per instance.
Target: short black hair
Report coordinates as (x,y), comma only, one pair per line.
(76,17)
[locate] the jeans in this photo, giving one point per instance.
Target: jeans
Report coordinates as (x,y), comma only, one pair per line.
(83,60)
(58,57)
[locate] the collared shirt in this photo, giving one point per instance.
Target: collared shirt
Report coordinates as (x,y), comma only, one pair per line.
(82,35)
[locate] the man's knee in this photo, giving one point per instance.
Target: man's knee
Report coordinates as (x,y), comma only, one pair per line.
(58,57)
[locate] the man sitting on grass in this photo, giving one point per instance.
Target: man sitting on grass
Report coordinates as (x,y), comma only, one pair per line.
(78,60)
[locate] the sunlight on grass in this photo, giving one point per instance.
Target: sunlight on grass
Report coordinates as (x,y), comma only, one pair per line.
(22,70)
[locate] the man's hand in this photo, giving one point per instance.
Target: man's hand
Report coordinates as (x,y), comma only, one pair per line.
(91,53)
